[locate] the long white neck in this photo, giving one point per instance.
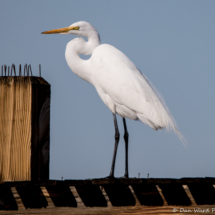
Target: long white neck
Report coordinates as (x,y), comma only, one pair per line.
(78,46)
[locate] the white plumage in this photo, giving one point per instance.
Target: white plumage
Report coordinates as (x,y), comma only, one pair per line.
(125,90)
(119,83)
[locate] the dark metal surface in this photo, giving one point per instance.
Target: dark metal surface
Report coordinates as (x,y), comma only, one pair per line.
(40,70)
(13,69)
(6,71)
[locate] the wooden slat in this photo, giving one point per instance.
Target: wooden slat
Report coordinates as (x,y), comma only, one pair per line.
(48,198)
(162,196)
(17,199)
(77,197)
(133,193)
(186,188)
(106,196)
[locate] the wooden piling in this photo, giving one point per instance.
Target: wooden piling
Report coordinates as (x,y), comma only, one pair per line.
(24,128)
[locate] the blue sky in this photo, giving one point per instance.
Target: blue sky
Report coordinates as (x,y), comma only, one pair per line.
(171,42)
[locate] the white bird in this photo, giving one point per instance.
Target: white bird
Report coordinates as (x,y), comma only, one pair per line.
(119,83)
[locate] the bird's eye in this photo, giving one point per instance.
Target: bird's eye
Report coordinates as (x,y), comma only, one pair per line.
(76,28)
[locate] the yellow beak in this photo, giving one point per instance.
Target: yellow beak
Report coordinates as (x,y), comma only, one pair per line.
(61,30)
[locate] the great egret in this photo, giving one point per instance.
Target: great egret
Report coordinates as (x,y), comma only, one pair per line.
(119,83)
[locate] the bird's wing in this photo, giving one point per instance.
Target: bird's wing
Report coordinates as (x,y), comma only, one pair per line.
(117,76)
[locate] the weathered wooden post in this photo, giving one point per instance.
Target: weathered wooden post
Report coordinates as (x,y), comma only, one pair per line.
(24,126)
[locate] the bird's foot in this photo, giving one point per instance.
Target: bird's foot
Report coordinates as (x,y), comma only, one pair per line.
(110,177)
(125,176)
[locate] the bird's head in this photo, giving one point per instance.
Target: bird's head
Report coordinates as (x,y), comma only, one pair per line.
(81,28)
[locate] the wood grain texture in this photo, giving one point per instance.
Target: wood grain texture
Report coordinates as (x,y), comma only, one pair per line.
(137,210)
(15,128)
(24,128)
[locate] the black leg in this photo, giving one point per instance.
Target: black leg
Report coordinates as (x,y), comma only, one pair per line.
(117,135)
(126,148)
